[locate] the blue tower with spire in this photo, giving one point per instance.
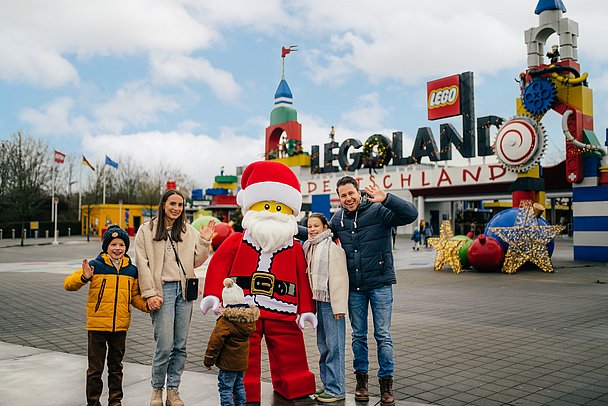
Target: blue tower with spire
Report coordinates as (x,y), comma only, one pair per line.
(284,126)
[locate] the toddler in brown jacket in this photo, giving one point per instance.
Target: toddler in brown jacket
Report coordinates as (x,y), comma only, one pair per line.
(228,346)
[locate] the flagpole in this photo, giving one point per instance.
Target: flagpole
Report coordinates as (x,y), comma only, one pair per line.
(55,231)
(53,190)
(80,193)
(104,187)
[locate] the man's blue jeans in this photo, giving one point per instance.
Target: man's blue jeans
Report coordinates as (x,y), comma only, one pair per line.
(331,340)
(381,302)
(229,383)
(171,323)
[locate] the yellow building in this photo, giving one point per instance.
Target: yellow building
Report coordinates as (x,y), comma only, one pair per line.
(127,216)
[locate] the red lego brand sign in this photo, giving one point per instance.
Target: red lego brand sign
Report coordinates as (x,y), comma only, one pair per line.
(443,97)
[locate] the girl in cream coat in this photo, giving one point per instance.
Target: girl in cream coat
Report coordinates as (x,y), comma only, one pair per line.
(328,279)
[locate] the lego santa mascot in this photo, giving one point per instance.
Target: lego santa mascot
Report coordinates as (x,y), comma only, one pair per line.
(269,265)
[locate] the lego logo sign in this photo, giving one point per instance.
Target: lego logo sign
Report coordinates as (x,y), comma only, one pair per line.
(443,97)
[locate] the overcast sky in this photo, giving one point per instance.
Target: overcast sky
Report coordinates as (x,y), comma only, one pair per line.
(192,82)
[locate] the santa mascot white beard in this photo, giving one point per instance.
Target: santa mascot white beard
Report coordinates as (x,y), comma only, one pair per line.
(270,230)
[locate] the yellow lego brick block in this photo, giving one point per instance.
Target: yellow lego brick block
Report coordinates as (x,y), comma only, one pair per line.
(581,97)
(532,173)
(519,106)
(295,160)
(230,186)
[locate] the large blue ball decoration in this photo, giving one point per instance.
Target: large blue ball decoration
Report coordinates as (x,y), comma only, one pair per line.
(506,218)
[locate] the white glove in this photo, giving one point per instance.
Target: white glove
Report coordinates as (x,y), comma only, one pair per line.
(307,317)
(210,302)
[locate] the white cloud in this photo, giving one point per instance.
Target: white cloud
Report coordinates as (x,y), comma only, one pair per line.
(368,115)
(264,16)
(600,83)
(24,61)
(177,68)
(133,105)
(198,156)
(37,35)
(56,118)
(187,126)
(335,71)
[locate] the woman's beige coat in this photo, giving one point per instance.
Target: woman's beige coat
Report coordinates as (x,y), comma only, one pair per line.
(193,251)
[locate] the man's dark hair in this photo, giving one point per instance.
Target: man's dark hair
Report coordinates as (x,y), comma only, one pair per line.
(345,181)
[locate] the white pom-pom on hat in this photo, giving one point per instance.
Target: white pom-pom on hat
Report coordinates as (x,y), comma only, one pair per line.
(232,293)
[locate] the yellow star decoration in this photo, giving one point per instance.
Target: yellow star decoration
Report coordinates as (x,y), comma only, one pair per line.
(527,239)
(447,248)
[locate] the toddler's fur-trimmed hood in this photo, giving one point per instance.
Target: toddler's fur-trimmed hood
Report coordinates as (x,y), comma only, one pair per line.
(241,314)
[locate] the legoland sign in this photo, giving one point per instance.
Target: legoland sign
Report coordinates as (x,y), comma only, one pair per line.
(413,178)
(446,97)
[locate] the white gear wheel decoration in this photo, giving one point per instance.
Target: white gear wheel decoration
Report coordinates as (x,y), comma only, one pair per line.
(520,143)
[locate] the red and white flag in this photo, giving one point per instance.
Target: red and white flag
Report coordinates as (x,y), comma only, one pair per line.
(59,157)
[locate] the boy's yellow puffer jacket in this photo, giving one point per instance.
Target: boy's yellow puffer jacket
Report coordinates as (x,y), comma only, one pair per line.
(111,294)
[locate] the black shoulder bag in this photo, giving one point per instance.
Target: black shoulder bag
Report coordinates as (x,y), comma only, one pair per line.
(191,283)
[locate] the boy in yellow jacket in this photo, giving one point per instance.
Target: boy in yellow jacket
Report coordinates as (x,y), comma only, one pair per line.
(113,290)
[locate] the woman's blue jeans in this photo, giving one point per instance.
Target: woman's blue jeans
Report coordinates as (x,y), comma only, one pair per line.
(171,324)
(381,302)
(331,340)
(231,383)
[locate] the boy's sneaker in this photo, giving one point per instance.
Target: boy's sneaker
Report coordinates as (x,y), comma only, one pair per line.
(317,393)
(328,398)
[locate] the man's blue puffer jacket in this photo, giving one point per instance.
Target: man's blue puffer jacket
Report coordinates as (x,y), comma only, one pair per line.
(365,235)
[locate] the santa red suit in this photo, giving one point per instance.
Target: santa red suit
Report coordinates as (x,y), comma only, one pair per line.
(273,280)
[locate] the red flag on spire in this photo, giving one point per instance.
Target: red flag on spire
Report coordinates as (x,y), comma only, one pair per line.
(285,51)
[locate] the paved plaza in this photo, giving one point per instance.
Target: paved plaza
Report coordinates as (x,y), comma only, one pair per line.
(529,338)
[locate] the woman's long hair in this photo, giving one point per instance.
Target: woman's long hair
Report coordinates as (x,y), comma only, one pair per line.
(179,225)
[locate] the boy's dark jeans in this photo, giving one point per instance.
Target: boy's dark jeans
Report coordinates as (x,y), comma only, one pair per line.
(98,342)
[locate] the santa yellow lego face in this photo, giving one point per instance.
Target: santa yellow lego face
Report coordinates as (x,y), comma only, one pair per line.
(271,206)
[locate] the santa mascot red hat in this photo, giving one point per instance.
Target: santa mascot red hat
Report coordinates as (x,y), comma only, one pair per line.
(271,181)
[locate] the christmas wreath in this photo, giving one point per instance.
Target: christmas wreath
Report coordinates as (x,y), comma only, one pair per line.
(376,151)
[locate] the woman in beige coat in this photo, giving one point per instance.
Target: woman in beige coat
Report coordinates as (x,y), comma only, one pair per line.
(167,251)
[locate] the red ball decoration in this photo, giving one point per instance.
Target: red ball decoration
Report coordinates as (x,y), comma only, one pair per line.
(486,254)
(221,232)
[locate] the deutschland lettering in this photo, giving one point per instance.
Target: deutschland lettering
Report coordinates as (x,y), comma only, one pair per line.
(421,179)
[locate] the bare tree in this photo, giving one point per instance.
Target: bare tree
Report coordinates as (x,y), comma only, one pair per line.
(26,174)
(153,184)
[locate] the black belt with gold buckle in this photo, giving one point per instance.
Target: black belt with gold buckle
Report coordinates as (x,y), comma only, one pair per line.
(265,283)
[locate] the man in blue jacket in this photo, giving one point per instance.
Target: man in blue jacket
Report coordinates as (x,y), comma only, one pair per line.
(363,226)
